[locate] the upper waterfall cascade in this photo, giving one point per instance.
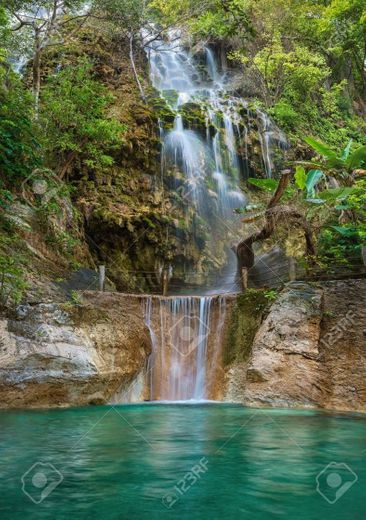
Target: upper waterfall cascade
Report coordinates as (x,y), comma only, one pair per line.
(213,159)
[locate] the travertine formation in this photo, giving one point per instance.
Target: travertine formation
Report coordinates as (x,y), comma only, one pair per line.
(309,351)
(53,355)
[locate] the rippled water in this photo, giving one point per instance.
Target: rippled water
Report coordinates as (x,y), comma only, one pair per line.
(157,461)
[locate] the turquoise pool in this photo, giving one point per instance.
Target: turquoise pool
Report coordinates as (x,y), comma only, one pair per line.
(176,461)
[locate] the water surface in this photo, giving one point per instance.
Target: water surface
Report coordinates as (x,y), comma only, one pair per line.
(175,461)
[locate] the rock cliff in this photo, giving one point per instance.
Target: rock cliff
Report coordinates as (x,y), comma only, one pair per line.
(310,351)
(57,355)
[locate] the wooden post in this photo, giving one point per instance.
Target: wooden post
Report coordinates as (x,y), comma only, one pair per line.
(244,278)
(363,252)
(165,282)
(101,277)
(292,269)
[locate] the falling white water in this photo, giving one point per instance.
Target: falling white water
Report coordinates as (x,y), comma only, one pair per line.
(215,161)
(270,136)
(186,332)
(186,335)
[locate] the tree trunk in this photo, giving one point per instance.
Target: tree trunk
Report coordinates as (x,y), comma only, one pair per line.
(37,72)
(132,59)
(275,214)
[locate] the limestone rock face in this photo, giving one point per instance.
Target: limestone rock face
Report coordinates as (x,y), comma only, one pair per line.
(56,356)
(310,351)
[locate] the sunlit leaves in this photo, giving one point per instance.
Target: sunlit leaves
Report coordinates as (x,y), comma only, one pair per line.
(300,177)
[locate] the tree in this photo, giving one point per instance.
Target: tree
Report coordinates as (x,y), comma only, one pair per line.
(132,19)
(19,148)
(275,214)
(45,23)
(76,127)
(129,18)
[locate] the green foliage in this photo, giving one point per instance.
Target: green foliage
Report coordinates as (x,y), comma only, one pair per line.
(12,282)
(74,117)
(269,185)
(286,116)
(19,149)
(345,162)
(206,19)
(271,295)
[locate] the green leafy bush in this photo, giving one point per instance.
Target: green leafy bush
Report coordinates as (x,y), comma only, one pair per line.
(12,282)
(76,127)
(285,115)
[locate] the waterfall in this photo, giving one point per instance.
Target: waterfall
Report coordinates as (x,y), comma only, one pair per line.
(186,335)
(209,165)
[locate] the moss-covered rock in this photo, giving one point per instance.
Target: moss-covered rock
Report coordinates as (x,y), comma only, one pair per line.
(246,317)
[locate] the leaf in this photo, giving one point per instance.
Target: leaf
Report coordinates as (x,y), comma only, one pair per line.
(320,148)
(313,178)
(336,193)
(300,177)
(347,151)
(357,158)
(335,162)
(264,184)
(342,207)
(344,231)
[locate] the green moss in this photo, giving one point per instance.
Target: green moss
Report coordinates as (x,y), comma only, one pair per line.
(246,318)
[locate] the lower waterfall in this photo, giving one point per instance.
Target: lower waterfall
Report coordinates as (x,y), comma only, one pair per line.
(186,334)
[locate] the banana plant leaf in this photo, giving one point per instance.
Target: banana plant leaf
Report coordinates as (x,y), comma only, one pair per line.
(320,148)
(347,151)
(313,178)
(300,177)
(336,193)
(357,158)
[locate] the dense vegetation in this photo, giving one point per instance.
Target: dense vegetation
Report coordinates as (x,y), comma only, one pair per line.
(302,61)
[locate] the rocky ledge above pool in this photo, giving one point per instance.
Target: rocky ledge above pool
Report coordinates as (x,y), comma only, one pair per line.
(309,351)
(71,355)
